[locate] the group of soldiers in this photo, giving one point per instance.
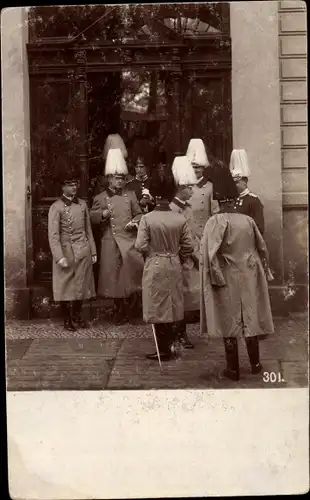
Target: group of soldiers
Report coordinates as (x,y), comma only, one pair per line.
(167,238)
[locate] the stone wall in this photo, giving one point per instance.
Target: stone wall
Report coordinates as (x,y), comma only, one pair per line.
(256,118)
(16,159)
(294,144)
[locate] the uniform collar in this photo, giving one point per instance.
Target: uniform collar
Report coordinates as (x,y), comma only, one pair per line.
(162,205)
(180,203)
(68,201)
(113,192)
(202,181)
(142,179)
(244,193)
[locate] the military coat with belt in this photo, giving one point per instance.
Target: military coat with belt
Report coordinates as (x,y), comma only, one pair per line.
(191,280)
(202,204)
(70,236)
(121,265)
(164,238)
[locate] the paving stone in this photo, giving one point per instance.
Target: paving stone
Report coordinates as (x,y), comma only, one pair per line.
(84,374)
(16,349)
(295,374)
(42,355)
(95,347)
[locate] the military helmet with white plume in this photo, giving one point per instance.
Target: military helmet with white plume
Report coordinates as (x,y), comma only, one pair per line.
(114,141)
(115,163)
(239,164)
(196,153)
(183,171)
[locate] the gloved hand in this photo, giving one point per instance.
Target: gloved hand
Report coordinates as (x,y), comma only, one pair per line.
(106,213)
(63,263)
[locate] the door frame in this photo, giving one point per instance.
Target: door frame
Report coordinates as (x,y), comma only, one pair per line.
(73,60)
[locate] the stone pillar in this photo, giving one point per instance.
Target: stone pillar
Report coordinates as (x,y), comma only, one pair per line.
(16,159)
(256,116)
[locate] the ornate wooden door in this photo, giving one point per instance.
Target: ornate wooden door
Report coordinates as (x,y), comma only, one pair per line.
(58,141)
(183,55)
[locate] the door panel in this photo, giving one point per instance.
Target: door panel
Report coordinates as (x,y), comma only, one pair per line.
(52,152)
(206,113)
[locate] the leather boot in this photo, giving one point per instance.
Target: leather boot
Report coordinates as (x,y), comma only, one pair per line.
(253,353)
(182,335)
(120,316)
(66,307)
(232,359)
(77,314)
(163,342)
(134,307)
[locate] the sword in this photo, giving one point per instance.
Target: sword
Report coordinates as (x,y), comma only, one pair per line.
(157,350)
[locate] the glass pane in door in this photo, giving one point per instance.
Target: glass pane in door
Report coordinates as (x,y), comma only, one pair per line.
(144,114)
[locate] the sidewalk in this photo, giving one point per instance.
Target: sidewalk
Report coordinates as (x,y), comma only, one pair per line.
(42,356)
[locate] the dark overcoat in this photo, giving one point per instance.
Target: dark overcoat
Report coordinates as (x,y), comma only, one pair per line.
(137,186)
(250,204)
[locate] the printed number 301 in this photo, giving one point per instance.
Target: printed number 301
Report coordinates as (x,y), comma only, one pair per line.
(273,377)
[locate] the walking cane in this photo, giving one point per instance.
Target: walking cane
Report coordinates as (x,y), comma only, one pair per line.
(157,350)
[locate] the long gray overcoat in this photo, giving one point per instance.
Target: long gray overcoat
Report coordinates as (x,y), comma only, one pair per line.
(202,204)
(70,236)
(234,290)
(164,238)
(121,265)
(191,279)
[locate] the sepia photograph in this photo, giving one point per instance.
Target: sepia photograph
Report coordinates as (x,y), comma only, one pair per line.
(155,173)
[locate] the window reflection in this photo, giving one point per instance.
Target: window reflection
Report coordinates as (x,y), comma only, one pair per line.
(144,95)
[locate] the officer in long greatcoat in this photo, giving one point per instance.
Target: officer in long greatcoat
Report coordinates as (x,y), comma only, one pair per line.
(185,179)
(116,210)
(74,253)
(247,202)
(165,240)
(233,270)
(202,202)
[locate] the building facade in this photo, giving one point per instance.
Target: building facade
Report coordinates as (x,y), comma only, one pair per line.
(243,72)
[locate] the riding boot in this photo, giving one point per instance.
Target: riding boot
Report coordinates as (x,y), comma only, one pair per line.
(173,338)
(66,307)
(253,353)
(182,335)
(163,343)
(120,316)
(232,358)
(77,314)
(134,303)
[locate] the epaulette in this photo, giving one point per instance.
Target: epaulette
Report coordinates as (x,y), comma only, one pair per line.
(254,195)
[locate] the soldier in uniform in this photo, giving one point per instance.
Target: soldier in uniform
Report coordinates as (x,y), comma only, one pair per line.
(234,270)
(100,183)
(116,210)
(141,186)
(74,252)
(247,203)
(185,179)
(164,239)
(202,203)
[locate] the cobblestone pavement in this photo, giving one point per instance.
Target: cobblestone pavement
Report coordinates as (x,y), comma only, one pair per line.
(42,356)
